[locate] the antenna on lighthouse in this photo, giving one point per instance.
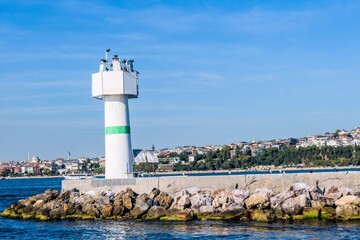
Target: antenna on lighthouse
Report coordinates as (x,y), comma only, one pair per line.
(107,53)
(105,61)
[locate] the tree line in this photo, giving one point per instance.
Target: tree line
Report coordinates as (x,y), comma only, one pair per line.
(311,156)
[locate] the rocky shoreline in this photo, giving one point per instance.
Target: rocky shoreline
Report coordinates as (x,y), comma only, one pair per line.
(299,202)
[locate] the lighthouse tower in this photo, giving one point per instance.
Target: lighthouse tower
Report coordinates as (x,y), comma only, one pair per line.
(115,83)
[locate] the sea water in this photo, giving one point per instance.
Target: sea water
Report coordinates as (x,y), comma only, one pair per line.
(13,190)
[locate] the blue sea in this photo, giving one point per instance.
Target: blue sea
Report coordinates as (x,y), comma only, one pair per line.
(11,190)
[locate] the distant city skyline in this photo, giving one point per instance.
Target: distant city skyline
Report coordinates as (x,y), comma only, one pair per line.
(211,72)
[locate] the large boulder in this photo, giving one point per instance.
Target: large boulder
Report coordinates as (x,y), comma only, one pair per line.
(93,211)
(356,202)
(331,189)
(102,200)
(206,209)
(333,193)
(345,200)
(346,191)
(315,192)
(69,208)
(326,202)
(232,211)
(57,213)
(279,198)
(182,200)
(348,211)
(192,191)
(48,195)
(259,199)
(118,208)
(64,196)
(119,195)
(32,199)
(139,209)
(239,195)
(300,188)
(129,192)
(164,200)
(293,206)
(39,204)
(43,211)
(156,212)
(179,215)
(106,211)
(220,198)
(29,209)
(199,200)
(128,202)
(85,207)
(145,198)
(23,203)
(154,193)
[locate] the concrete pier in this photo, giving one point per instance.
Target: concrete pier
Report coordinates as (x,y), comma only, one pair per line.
(276,182)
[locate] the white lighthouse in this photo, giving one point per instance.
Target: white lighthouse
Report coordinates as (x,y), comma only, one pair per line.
(115,83)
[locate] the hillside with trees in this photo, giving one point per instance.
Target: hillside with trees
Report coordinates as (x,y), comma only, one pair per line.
(311,156)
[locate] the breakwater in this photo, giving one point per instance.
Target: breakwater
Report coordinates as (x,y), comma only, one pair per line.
(171,184)
(298,202)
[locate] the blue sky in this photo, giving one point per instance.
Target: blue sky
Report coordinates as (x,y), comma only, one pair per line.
(211,72)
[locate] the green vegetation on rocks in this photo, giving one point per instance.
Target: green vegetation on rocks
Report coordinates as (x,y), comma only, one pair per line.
(311,213)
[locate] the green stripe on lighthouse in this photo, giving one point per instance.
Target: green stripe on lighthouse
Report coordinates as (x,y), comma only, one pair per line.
(117,130)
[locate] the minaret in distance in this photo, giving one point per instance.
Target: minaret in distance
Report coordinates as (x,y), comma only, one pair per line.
(115,84)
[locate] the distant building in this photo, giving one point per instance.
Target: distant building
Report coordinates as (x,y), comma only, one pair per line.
(35,159)
(233,153)
(102,161)
(27,169)
(146,156)
(293,141)
(72,166)
(174,160)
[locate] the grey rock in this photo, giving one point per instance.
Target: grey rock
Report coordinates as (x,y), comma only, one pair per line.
(293,206)
(164,200)
(279,198)
(199,200)
(139,209)
(259,199)
(347,211)
(206,209)
(155,212)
